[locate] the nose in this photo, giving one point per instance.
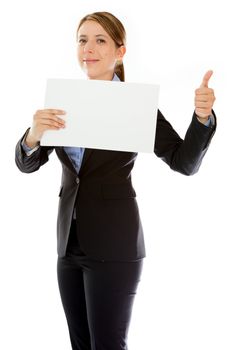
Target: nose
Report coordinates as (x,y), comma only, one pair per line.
(89,47)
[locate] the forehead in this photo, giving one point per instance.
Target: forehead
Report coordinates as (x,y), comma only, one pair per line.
(91,28)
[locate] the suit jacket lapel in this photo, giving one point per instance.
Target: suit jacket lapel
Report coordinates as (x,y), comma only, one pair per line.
(87,153)
(65,159)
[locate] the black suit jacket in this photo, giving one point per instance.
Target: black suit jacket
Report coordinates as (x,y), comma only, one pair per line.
(108,221)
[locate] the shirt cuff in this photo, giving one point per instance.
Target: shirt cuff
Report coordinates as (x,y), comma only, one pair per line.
(28,150)
(210,121)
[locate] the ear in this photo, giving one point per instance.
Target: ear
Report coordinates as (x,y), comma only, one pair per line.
(121,52)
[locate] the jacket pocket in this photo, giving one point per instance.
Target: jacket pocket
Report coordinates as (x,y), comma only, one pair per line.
(117,191)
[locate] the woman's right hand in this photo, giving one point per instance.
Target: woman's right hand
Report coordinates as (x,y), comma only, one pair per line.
(44,119)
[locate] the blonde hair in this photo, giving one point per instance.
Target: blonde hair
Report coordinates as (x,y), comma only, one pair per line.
(114,28)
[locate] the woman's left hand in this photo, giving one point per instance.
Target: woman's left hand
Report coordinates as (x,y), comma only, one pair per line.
(204,99)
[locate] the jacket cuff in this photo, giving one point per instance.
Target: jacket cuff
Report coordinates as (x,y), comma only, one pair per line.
(212,121)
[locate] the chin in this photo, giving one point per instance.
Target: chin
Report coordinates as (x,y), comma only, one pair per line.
(95,74)
(91,74)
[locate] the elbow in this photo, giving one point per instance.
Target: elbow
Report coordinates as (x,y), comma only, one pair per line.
(26,167)
(189,171)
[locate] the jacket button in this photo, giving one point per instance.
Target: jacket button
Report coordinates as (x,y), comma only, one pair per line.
(77,180)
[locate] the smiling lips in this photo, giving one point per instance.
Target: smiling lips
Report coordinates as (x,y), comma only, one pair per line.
(90,60)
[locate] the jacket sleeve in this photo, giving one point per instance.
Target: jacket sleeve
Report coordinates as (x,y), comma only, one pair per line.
(29,164)
(184,156)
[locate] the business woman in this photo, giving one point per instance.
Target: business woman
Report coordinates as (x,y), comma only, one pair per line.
(99,232)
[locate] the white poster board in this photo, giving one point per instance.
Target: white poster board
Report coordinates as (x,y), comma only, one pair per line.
(101,114)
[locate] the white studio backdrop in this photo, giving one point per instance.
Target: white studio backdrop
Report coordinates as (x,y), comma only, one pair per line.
(183,300)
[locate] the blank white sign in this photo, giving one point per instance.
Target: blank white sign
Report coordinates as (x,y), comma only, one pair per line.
(101,114)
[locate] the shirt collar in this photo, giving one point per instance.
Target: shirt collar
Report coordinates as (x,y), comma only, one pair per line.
(115,78)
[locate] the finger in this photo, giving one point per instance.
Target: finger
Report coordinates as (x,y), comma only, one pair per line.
(204,98)
(201,98)
(203,104)
(49,122)
(50,117)
(43,119)
(206,78)
(204,109)
(204,91)
(50,110)
(203,112)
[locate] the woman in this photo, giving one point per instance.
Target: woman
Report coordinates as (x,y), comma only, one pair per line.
(99,233)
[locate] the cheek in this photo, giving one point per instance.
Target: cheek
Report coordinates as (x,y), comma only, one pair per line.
(106,51)
(108,55)
(79,55)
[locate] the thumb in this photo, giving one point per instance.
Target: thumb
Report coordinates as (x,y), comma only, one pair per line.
(206,78)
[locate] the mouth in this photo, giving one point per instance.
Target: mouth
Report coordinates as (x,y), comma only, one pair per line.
(90,61)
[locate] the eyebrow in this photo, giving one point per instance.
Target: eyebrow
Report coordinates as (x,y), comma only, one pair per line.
(85,36)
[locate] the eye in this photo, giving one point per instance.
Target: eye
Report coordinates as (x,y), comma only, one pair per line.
(101,41)
(81,41)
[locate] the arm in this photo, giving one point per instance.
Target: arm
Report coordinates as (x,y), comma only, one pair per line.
(184,156)
(30,163)
(29,155)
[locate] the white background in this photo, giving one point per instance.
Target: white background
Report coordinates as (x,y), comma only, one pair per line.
(183,300)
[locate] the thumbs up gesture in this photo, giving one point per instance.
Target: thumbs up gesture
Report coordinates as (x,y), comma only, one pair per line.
(204,99)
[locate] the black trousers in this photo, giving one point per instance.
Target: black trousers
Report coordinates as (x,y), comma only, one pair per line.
(97,298)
